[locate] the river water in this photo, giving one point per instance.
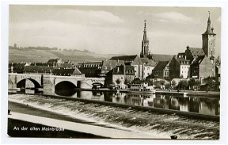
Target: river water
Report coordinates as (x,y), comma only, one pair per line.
(160,125)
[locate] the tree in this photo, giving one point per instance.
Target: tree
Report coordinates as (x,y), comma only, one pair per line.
(149,81)
(118,81)
(191,83)
(210,83)
(167,85)
(173,83)
(136,81)
(162,82)
(127,82)
(183,84)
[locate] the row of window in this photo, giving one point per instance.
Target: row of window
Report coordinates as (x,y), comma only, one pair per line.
(90,65)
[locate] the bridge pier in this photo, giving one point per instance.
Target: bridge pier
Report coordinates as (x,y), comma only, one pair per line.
(48,85)
(12,82)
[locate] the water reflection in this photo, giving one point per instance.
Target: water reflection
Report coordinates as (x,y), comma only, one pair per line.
(209,106)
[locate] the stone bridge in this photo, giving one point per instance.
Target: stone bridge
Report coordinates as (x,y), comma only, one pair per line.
(51,84)
(19,81)
(89,82)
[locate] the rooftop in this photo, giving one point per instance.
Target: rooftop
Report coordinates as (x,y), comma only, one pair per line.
(161,57)
(124,57)
(196,51)
(161,65)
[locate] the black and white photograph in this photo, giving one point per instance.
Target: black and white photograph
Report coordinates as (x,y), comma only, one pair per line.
(114,72)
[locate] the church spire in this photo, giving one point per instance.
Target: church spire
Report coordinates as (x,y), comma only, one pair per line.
(209,29)
(145,43)
(144,32)
(209,22)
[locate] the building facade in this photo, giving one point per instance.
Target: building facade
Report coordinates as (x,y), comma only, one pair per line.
(179,66)
(90,69)
(120,76)
(161,70)
(132,60)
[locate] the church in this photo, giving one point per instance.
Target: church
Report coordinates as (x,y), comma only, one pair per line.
(196,63)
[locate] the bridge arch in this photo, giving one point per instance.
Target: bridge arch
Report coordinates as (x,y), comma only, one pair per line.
(22,83)
(65,88)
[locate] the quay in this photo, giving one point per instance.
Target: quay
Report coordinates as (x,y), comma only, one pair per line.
(190,93)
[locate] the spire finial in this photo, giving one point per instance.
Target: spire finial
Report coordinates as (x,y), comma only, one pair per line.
(145,23)
(209,13)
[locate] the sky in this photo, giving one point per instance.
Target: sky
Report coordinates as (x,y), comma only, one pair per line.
(111,29)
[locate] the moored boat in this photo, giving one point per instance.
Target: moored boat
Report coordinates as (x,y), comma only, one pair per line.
(141,88)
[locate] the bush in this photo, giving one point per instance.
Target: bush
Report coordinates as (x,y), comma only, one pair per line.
(210,84)
(136,81)
(183,85)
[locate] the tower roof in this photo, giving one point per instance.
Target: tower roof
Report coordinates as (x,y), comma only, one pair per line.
(209,29)
(144,32)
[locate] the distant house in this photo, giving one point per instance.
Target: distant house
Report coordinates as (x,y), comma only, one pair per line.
(148,66)
(179,66)
(120,75)
(132,60)
(90,69)
(201,67)
(54,62)
(108,65)
(192,53)
(161,70)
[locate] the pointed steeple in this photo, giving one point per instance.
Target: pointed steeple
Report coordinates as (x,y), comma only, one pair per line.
(144,32)
(208,40)
(209,29)
(145,43)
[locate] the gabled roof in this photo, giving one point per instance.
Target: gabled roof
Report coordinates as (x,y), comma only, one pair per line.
(124,57)
(129,70)
(148,62)
(197,60)
(161,65)
(109,65)
(161,57)
(196,51)
(76,71)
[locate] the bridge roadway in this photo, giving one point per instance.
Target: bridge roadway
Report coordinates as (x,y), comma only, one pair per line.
(48,83)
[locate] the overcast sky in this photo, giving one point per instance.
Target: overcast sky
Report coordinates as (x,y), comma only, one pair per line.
(111,30)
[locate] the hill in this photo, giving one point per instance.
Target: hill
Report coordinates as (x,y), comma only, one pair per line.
(33,54)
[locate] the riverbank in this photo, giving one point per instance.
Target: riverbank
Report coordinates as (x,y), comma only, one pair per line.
(212,94)
(174,92)
(190,93)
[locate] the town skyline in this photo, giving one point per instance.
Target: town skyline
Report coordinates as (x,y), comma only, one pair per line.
(112,30)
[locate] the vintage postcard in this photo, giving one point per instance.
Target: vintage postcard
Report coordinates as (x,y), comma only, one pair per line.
(114,72)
